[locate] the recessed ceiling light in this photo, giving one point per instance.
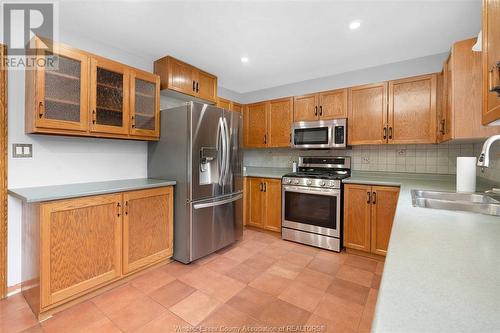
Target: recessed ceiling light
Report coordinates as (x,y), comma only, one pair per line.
(354,24)
(244,60)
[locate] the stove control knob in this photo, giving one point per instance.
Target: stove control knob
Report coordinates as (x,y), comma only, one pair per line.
(287,180)
(309,182)
(296,182)
(332,184)
(322,183)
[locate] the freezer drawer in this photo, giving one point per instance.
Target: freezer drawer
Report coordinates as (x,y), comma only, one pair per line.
(216,223)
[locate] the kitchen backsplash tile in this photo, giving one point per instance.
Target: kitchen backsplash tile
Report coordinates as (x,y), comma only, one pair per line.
(429,158)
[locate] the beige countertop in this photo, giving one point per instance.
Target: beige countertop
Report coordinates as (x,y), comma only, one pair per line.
(442,271)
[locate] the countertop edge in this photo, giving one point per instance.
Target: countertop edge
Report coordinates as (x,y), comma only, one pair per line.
(87,193)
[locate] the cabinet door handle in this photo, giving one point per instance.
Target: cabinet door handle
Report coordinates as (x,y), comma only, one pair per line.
(265,139)
(290,137)
(390,132)
(265,187)
(442,130)
(194,85)
(197,86)
(374,198)
(118,206)
(93,117)
(385,132)
(261,185)
(321,110)
(40,109)
(494,79)
(126,207)
(369,198)
(316,110)
(133,122)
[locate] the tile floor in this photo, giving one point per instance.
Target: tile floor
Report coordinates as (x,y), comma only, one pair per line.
(260,282)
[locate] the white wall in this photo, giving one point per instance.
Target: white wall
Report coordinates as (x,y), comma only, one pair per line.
(412,67)
(59,159)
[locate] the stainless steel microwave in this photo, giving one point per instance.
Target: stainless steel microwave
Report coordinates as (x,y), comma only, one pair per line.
(320,134)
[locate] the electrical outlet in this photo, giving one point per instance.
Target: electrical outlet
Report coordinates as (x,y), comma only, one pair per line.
(22,150)
(402,152)
(366,160)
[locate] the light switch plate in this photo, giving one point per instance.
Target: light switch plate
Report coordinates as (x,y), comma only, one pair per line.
(22,150)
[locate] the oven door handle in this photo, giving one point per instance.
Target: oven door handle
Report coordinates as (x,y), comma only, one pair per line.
(330,192)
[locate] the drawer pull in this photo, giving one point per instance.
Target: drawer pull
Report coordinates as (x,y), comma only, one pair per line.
(374,198)
(369,198)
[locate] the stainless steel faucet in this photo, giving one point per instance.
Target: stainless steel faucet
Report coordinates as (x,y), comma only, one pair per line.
(484,158)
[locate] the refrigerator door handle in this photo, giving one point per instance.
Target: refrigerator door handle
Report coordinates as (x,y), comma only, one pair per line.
(224,152)
(227,152)
(220,148)
(217,203)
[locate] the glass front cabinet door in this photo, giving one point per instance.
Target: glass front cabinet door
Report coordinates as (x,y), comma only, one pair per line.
(144,104)
(109,97)
(62,90)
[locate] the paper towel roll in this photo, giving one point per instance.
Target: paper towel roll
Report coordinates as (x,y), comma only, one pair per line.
(466,174)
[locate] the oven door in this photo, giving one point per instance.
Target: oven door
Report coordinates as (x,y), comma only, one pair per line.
(315,210)
(312,134)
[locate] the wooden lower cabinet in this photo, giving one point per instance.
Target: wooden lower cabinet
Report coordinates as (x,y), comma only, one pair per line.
(146,236)
(368,216)
(263,203)
(75,246)
(81,242)
(357,217)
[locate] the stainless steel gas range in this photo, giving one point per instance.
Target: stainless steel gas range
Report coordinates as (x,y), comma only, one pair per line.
(313,202)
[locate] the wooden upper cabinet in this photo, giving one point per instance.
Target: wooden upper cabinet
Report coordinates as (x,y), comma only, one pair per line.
(206,86)
(384,202)
(461,115)
(147,227)
(279,123)
(412,110)
(255,125)
(305,108)
(357,216)
(181,77)
(272,191)
(236,107)
(109,96)
(175,75)
(491,61)
(368,114)
(81,244)
(224,103)
(88,95)
(144,104)
(333,104)
(57,98)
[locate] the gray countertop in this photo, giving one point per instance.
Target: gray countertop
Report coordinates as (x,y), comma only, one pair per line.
(442,271)
(265,172)
(57,192)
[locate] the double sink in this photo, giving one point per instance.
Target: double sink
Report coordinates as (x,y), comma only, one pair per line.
(469,202)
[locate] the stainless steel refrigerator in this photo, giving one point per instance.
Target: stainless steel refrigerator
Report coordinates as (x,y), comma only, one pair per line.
(199,148)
